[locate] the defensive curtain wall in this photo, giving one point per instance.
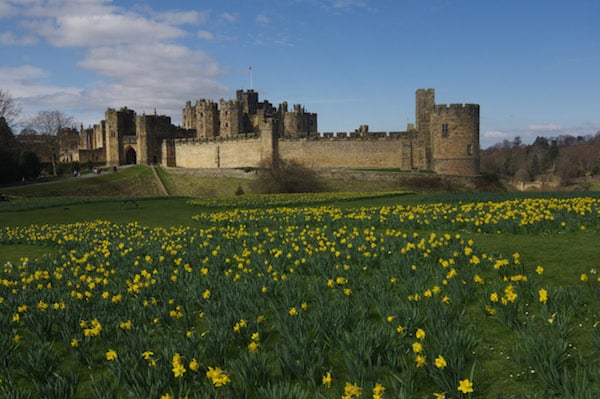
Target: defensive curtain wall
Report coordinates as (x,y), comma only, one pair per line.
(445,140)
(400,150)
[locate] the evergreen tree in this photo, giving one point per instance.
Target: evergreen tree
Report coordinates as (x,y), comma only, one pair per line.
(29,165)
(9,171)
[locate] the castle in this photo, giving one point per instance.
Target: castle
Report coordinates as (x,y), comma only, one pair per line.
(247,133)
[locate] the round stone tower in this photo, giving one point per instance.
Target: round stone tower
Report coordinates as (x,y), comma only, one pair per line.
(454,133)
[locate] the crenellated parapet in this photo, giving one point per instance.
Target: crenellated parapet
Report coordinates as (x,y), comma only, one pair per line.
(457,110)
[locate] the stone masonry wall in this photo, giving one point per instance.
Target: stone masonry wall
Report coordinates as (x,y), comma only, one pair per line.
(455,139)
(323,153)
(370,153)
(217,154)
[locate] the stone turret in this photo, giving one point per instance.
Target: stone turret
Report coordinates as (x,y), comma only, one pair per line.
(248,100)
(151,130)
(118,124)
(231,118)
(207,119)
(455,139)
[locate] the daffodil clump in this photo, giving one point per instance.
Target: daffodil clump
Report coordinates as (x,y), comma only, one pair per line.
(279,302)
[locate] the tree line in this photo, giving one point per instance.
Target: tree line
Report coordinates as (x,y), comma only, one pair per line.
(563,156)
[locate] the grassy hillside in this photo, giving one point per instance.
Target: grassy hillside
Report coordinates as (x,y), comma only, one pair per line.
(190,185)
(135,181)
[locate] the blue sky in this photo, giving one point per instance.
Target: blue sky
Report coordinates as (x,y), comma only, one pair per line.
(532,65)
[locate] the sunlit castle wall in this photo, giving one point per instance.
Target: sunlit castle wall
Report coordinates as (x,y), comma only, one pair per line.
(455,139)
(226,152)
(346,152)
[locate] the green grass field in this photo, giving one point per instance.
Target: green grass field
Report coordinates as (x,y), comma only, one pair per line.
(172,277)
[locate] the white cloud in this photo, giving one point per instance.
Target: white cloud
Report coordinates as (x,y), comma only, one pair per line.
(134,52)
(344,4)
(497,135)
(85,23)
(56,8)
(548,127)
(26,83)
(7,10)
(228,17)
(181,17)
(98,30)
(148,76)
(206,35)
(15,77)
(262,19)
(154,60)
(9,39)
(171,17)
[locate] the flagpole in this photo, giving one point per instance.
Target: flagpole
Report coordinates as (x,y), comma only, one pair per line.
(250,69)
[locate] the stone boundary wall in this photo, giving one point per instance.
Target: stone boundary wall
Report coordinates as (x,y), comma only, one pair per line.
(348,153)
(95,155)
(465,182)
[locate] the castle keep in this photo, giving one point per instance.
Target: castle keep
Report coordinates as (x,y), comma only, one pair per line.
(244,132)
(243,115)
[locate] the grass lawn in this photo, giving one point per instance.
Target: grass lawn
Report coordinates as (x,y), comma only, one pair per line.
(132,181)
(148,211)
(564,256)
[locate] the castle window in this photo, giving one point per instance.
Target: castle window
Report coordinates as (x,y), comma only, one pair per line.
(444,130)
(469,149)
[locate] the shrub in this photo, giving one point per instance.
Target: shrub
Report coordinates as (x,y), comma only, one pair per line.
(29,165)
(287,177)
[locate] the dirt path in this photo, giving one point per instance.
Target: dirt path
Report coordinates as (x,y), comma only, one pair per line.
(159,182)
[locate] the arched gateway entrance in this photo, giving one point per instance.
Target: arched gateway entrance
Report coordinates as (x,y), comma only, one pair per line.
(130,156)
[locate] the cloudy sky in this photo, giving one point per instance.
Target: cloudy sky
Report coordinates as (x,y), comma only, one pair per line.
(532,65)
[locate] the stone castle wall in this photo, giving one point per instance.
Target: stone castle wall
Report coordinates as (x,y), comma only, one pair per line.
(349,153)
(382,152)
(192,153)
(455,139)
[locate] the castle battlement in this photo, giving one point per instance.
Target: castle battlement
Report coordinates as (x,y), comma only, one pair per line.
(353,136)
(217,139)
(243,132)
(456,108)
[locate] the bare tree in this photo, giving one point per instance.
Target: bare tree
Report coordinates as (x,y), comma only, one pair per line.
(48,124)
(10,109)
